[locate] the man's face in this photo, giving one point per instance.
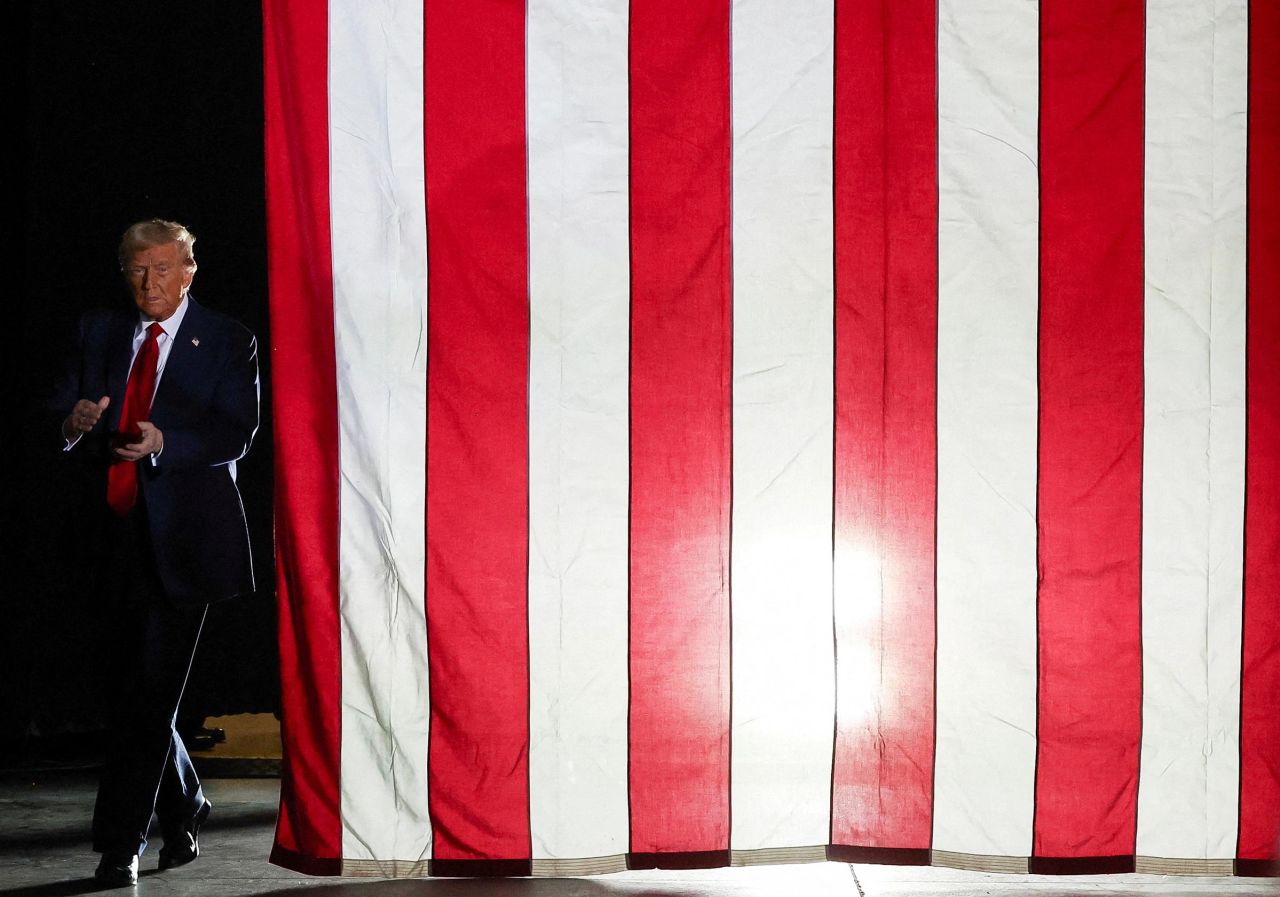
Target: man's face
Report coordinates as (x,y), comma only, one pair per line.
(158,279)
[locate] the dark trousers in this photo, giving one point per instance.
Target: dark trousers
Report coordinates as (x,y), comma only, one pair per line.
(152,642)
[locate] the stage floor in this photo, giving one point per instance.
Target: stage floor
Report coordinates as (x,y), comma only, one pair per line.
(44,852)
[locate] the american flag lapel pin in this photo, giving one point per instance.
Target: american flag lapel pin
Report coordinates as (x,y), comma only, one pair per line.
(195,341)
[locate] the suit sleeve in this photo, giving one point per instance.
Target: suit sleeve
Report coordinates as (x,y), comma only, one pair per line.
(227,429)
(68,389)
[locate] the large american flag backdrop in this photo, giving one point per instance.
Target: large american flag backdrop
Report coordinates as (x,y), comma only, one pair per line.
(776,430)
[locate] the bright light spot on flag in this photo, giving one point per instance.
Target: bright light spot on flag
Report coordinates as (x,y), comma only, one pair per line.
(859,583)
(782,619)
(859,592)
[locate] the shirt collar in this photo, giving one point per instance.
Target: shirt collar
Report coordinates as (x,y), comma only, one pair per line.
(170,324)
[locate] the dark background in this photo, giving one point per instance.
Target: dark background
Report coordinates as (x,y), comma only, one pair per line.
(132,110)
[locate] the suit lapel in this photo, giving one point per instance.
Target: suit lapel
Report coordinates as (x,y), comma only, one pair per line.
(183,363)
(120,343)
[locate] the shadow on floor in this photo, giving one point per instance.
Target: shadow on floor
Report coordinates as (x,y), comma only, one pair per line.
(79,834)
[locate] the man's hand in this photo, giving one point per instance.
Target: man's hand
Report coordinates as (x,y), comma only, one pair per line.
(83,417)
(151,443)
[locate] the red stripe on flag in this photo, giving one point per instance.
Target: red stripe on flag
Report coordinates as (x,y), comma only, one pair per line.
(477,430)
(681,376)
(1091,406)
(886,209)
(304,389)
(1260,688)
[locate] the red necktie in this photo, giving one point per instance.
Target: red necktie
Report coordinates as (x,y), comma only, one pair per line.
(122,476)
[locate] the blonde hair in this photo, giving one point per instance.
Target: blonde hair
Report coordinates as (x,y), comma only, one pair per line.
(158,232)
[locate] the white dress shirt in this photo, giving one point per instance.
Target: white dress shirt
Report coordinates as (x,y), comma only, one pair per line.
(164,341)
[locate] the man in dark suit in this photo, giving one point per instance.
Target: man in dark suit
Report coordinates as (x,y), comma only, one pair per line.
(163,400)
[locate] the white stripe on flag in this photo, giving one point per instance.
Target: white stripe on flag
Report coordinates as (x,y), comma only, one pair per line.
(987,397)
(1194,448)
(578,436)
(378,222)
(783,420)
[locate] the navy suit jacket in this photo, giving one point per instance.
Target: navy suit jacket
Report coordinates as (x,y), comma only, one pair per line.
(207,408)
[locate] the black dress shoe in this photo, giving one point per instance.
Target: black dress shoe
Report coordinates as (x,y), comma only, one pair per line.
(117,869)
(200,742)
(183,845)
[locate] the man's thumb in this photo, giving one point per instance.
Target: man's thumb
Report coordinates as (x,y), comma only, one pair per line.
(104,402)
